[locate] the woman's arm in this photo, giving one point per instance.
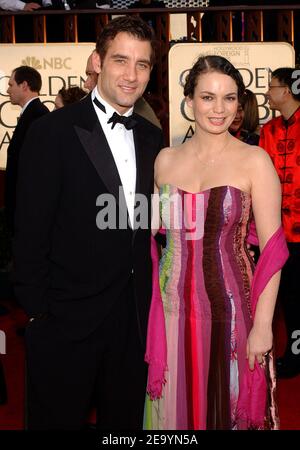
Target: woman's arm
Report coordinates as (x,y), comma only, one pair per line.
(266,201)
(161,170)
(155,218)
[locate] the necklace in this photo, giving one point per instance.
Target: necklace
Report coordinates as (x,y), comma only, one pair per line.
(212,161)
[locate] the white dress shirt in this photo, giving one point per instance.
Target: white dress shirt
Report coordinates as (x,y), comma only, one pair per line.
(121,143)
(17,5)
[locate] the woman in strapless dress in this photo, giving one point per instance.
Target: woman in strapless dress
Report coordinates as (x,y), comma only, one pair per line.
(209,189)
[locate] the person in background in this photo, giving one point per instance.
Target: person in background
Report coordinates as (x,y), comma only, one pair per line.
(280,137)
(141,106)
(17,5)
(158,105)
(91,75)
(92,4)
(23,89)
(68,96)
(246,128)
(246,123)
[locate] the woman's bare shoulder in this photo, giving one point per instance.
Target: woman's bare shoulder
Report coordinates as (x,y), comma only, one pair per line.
(258,155)
(166,156)
(253,154)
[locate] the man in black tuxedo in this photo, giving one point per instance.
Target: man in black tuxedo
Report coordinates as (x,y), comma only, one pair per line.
(82,273)
(24,86)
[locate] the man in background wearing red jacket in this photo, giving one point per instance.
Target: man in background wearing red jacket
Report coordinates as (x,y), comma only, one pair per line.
(280,137)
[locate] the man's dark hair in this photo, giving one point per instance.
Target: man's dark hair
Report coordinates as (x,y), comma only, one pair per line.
(30,75)
(133,25)
(285,77)
(212,63)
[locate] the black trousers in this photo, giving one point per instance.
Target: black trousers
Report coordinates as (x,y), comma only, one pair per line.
(106,370)
(289,294)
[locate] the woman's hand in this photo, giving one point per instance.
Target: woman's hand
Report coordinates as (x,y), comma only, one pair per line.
(260,341)
(251,252)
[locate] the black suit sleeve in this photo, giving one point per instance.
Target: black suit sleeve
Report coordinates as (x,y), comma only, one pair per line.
(38,192)
(33,111)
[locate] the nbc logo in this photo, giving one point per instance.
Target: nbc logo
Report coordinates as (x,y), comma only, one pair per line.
(32,62)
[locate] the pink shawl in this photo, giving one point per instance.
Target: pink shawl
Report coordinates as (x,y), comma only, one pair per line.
(252,398)
(156,348)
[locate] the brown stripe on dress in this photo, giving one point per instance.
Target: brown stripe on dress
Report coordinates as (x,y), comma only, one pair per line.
(218,397)
(188,289)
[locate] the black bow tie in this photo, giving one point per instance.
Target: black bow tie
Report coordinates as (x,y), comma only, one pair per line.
(128,122)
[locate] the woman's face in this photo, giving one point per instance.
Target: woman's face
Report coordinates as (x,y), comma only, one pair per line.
(215,102)
(238,120)
(58,103)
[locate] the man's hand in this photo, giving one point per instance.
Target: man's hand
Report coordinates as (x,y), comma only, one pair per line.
(31,6)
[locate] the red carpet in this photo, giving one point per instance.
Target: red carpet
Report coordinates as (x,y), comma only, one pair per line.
(12,414)
(288,391)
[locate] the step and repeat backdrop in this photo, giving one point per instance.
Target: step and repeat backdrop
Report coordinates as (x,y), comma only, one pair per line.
(255,61)
(60,65)
(63,65)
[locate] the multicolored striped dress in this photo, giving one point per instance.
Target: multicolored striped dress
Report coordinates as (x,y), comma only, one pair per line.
(205,276)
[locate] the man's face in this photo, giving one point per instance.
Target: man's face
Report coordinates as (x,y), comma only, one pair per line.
(15,91)
(125,71)
(276,93)
(91,75)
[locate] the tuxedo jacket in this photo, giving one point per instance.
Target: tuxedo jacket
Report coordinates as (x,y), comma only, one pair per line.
(33,111)
(64,264)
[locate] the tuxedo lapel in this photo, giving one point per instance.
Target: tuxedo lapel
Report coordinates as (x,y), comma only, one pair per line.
(94,142)
(99,153)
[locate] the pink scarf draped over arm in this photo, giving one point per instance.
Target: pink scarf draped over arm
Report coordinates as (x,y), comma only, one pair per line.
(156,348)
(253,391)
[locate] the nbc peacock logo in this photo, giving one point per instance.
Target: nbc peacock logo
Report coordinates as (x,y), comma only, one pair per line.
(32,61)
(55,62)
